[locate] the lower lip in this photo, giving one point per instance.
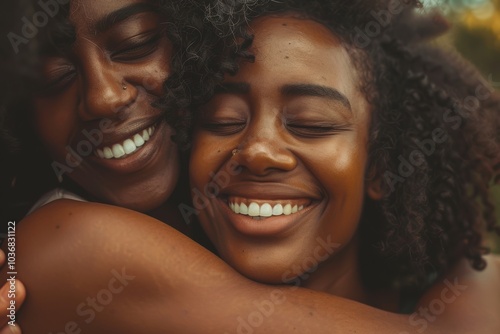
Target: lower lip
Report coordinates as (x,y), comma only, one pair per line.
(271,226)
(139,159)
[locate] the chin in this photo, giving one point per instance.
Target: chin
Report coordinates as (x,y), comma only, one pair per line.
(262,274)
(256,268)
(139,197)
(145,202)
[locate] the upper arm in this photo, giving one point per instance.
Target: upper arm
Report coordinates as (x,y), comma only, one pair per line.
(103,269)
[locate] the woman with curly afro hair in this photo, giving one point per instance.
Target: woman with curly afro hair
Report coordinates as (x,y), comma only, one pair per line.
(433,140)
(349,165)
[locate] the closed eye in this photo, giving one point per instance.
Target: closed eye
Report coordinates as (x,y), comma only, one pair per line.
(137,48)
(315,130)
(224,127)
(58,80)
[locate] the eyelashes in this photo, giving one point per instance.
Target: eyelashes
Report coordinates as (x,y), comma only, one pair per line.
(228,114)
(315,130)
(133,49)
(57,80)
(224,127)
(138,48)
(305,130)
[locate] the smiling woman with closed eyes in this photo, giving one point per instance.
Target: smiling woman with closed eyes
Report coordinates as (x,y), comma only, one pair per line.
(314,126)
(103,90)
(300,126)
(296,124)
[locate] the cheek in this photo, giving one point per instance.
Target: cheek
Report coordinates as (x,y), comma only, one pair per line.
(347,171)
(341,161)
(342,177)
(348,175)
(208,172)
(154,73)
(203,163)
(199,171)
(209,154)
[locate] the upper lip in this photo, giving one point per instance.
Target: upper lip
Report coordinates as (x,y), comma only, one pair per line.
(120,132)
(269,191)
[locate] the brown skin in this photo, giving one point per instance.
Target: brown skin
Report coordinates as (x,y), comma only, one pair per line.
(284,157)
(206,296)
(179,287)
(87,90)
(294,147)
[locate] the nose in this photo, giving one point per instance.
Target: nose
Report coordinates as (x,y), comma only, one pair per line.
(106,93)
(264,152)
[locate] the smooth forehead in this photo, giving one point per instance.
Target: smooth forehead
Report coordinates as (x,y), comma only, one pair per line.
(304,44)
(289,26)
(290,49)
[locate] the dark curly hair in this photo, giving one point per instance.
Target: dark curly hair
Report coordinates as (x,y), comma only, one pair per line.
(434,138)
(21,154)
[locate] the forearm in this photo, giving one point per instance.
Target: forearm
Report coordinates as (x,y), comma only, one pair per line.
(105,270)
(118,271)
(462,301)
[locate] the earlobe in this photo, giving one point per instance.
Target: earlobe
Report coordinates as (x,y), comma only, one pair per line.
(374,189)
(374,186)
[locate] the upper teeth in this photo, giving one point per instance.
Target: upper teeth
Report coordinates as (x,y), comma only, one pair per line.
(128,146)
(265,209)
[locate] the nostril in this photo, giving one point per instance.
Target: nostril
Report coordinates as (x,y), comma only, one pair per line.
(261,158)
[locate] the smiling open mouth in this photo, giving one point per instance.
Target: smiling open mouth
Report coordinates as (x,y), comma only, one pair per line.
(261,209)
(127,147)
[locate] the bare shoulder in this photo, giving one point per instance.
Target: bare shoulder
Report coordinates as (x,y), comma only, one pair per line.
(76,257)
(76,215)
(98,269)
(465,300)
(68,234)
(87,226)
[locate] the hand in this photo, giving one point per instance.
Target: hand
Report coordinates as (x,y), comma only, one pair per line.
(5,328)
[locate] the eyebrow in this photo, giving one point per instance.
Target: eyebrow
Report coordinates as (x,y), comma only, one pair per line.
(289,90)
(122,14)
(316,91)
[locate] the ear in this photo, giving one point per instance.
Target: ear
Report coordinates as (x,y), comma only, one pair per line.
(374,189)
(373,185)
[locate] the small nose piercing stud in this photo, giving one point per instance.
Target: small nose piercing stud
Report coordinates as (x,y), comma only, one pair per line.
(124,87)
(235,151)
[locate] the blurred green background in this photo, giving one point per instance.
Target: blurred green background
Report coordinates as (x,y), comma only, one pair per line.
(475,33)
